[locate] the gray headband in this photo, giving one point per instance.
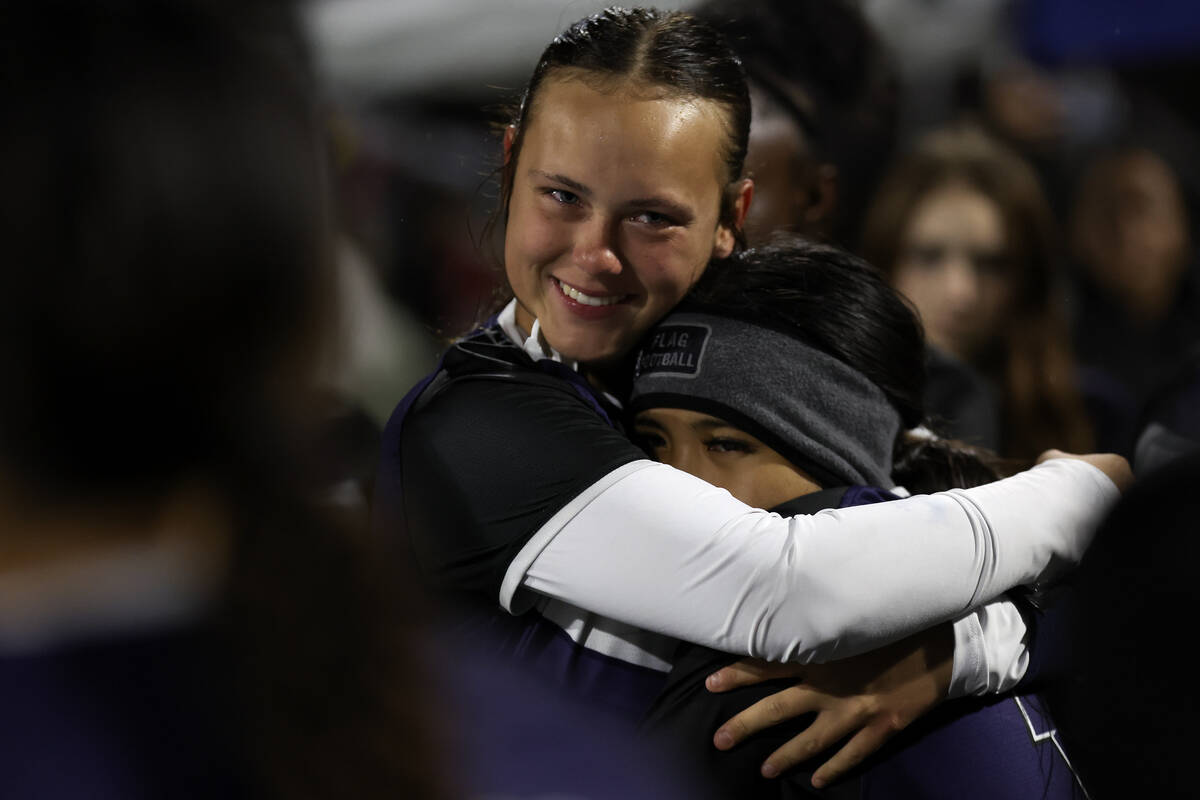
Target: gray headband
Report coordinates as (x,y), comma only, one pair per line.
(819,413)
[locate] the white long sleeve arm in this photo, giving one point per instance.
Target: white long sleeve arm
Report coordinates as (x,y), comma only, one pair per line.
(654,547)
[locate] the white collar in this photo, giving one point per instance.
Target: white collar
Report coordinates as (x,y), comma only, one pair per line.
(534,344)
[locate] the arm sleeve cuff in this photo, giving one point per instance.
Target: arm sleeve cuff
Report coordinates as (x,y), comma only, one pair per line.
(990,650)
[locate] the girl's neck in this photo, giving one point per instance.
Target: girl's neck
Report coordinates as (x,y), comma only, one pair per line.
(611,377)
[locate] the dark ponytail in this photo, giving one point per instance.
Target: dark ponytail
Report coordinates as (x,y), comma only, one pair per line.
(924,464)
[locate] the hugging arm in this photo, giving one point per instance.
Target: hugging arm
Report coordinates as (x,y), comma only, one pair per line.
(662,550)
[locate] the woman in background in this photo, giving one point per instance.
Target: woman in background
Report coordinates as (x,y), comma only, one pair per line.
(962,229)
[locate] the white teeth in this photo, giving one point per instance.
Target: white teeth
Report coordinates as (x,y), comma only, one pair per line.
(586,299)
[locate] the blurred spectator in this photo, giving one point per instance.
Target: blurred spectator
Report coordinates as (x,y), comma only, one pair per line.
(380,348)
(963,230)
(1137,293)
(1170,425)
(824,94)
(176,619)
(413,198)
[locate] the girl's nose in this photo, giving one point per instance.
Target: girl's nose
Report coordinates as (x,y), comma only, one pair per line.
(595,248)
(961,284)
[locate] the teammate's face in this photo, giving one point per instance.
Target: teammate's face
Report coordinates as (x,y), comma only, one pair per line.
(613,213)
(953,267)
(723,455)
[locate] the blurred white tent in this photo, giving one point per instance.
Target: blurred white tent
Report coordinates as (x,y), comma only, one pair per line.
(455,48)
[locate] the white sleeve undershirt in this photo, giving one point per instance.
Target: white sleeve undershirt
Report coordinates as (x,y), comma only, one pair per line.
(657,548)
(990,650)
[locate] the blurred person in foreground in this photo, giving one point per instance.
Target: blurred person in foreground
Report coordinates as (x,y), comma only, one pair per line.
(962,229)
(176,619)
(1127,711)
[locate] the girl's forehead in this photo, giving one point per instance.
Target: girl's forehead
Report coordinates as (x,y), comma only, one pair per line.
(614,85)
(574,122)
(582,90)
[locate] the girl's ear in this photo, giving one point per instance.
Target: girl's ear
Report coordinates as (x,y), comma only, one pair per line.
(822,196)
(726,236)
(510,135)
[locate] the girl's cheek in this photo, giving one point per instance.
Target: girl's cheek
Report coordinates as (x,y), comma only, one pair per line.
(540,237)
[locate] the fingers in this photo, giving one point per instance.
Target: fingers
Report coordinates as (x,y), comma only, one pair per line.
(750,671)
(766,712)
(1112,465)
(1052,453)
(826,729)
(853,753)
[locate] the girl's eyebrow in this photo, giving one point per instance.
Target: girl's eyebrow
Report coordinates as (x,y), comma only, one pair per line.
(571,184)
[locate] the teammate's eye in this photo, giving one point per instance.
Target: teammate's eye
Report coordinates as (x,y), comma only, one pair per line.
(729,444)
(650,441)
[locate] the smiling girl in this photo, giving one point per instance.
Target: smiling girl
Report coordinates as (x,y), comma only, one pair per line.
(524,500)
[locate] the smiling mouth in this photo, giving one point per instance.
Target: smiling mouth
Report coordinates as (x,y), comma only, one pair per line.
(588,299)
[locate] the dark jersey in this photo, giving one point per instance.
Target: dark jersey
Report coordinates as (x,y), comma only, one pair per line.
(486,451)
(993,747)
(472,495)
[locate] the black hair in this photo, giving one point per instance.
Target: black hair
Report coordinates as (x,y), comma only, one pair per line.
(166,231)
(839,304)
(823,64)
(669,50)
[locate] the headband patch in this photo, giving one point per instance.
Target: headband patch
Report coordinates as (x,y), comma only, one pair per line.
(673,350)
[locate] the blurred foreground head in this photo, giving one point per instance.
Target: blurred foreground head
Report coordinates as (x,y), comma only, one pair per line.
(163,228)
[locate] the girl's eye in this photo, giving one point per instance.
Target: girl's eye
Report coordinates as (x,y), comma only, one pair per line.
(990,264)
(928,256)
(650,441)
(653,219)
(725,444)
(563,196)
